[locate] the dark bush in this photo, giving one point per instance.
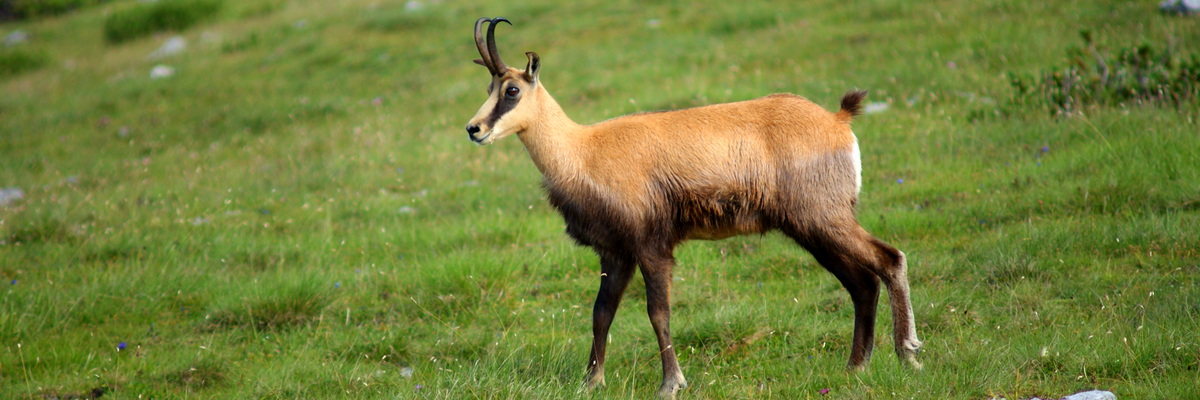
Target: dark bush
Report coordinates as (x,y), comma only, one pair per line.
(25,9)
(163,15)
(1143,74)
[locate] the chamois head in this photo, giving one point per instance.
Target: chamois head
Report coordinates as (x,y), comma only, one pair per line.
(508,109)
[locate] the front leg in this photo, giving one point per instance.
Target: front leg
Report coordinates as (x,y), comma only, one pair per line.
(657,273)
(615,272)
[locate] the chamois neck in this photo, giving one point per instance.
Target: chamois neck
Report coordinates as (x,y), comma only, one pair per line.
(552,140)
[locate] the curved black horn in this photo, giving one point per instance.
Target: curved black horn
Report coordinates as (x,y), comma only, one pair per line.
(483,51)
(491,45)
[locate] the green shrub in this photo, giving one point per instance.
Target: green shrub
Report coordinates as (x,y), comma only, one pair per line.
(164,15)
(25,9)
(1143,74)
(14,61)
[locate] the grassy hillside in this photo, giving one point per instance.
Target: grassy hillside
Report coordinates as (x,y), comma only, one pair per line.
(296,212)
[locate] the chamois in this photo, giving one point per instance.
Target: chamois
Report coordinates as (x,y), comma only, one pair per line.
(632,188)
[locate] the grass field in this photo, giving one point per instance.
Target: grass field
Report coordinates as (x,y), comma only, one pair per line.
(297,212)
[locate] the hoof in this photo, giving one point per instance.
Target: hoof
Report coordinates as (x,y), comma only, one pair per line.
(670,387)
(908,354)
(911,361)
(665,393)
(595,382)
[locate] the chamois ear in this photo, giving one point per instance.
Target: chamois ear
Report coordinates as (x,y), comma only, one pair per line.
(534,66)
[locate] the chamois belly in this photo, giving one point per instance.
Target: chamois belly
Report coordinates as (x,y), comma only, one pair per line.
(719,212)
(741,225)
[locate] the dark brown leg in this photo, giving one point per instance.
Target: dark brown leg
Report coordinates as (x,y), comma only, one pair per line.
(863,287)
(860,261)
(615,272)
(657,272)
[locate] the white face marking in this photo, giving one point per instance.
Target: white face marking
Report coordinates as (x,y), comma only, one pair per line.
(857,157)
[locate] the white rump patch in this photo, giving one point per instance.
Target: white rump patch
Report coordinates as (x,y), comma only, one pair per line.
(857,158)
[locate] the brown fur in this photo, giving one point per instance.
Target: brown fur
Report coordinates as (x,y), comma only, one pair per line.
(633,188)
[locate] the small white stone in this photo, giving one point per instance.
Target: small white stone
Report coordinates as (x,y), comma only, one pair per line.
(161,71)
(876,107)
(1092,395)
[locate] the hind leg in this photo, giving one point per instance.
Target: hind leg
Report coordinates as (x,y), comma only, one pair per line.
(893,269)
(845,264)
(860,262)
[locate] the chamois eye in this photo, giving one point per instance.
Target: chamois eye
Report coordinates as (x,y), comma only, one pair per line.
(512,91)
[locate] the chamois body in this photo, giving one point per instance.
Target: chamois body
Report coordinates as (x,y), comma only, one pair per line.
(633,188)
(704,173)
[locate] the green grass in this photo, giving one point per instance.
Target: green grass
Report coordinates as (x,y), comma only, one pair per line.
(297,213)
(16,60)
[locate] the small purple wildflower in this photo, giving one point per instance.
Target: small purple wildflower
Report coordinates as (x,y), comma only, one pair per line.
(337,285)
(824,391)
(121,346)
(418,387)
(1045,149)
(14,282)
(900,180)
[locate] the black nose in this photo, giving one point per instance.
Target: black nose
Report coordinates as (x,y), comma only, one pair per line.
(472,129)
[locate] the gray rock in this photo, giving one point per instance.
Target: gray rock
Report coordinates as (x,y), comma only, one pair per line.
(876,107)
(1092,395)
(1180,6)
(975,98)
(173,46)
(10,195)
(1089,395)
(16,37)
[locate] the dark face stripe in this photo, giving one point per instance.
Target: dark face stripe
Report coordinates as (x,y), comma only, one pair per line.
(503,106)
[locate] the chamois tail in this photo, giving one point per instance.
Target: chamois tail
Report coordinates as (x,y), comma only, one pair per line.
(851,105)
